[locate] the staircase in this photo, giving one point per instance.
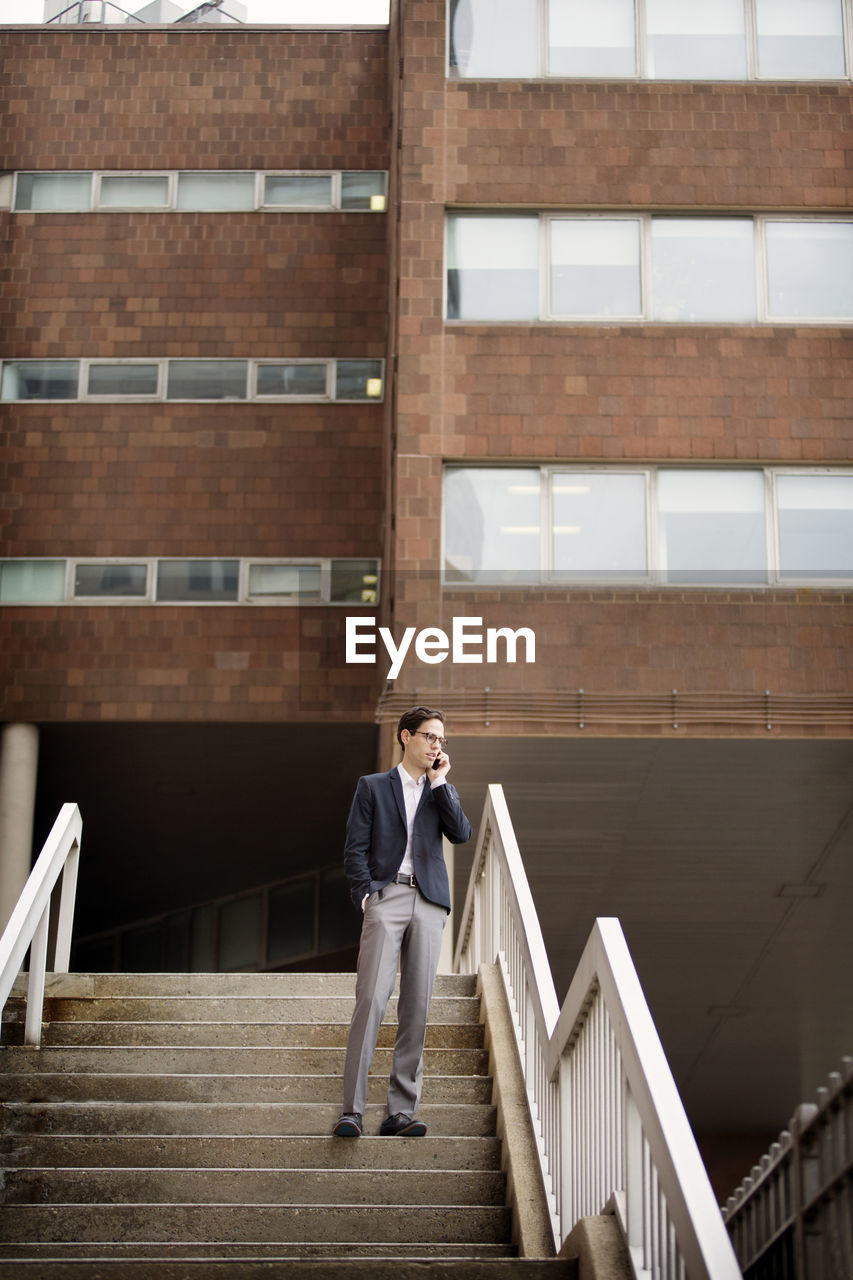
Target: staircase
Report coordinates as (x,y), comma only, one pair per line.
(178,1125)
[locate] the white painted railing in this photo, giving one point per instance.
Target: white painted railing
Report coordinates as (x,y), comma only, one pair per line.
(611,1127)
(29,924)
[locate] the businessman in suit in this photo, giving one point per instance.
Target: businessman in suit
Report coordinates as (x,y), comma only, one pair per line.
(395,864)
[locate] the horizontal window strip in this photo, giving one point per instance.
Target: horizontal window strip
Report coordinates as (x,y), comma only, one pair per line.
(651,268)
(352,581)
(349,381)
(199,191)
(647,526)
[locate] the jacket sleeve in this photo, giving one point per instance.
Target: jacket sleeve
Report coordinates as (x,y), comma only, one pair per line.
(358,840)
(454,825)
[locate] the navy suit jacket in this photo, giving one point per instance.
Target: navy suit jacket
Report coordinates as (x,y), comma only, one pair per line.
(376,836)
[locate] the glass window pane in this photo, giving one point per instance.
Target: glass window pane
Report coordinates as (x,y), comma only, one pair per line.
(291,921)
(800,38)
(702,40)
(712,526)
(197,580)
(240,934)
(815,526)
(703,269)
(203,939)
(358,380)
(494,38)
(595,268)
(591,39)
(40,379)
(225,191)
(355,581)
(313,190)
(363,190)
(491,524)
(292,380)
(110,579)
(285,581)
(122,380)
(810,269)
(207,380)
(32,581)
(599,525)
(136,191)
(492,268)
(340,926)
(66,191)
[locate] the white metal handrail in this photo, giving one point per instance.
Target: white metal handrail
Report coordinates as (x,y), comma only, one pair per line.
(29,924)
(610,1125)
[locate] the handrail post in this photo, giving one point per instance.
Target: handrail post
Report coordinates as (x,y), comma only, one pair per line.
(35,985)
(65,919)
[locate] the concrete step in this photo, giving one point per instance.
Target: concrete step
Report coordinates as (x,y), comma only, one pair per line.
(225,1060)
(386,1223)
(88,1117)
(276,1262)
(244,985)
(172,1151)
(235,1009)
(161,1185)
(275,1034)
(103,1086)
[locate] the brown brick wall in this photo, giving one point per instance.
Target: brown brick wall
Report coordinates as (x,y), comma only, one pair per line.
(204,98)
(550,392)
(190,479)
(218,663)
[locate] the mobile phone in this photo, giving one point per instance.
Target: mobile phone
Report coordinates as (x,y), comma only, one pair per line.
(436,764)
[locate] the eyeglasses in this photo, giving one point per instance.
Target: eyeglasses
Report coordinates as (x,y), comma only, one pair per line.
(433,739)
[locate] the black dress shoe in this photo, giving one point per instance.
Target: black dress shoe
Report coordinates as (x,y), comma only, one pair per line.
(402,1126)
(349,1125)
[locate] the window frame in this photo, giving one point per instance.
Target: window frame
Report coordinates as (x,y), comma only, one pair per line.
(97,176)
(84,364)
(243,598)
(641,53)
(646,218)
(655,576)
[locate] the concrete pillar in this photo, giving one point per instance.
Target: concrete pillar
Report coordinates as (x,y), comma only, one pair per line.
(18,767)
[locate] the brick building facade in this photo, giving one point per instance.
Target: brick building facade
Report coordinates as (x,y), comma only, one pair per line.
(680,748)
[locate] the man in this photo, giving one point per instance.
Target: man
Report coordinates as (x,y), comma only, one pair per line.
(395,864)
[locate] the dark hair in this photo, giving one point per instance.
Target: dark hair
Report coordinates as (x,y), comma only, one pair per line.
(412,720)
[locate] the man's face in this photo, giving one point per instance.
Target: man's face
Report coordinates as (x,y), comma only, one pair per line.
(417,752)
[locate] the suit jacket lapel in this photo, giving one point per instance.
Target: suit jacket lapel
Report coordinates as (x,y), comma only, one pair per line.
(397,792)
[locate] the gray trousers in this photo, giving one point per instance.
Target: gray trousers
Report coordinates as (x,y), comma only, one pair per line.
(398,922)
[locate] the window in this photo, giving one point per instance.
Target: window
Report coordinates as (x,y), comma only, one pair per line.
(117,381)
(591,39)
(40,380)
(95,580)
(800,38)
(216,191)
(697,526)
(349,581)
(197,581)
(656,39)
(220,191)
(815,526)
(54,192)
(32,581)
(201,380)
(207,380)
(648,267)
(133,191)
(810,269)
(492,267)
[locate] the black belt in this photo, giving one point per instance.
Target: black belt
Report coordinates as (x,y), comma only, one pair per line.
(409,880)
